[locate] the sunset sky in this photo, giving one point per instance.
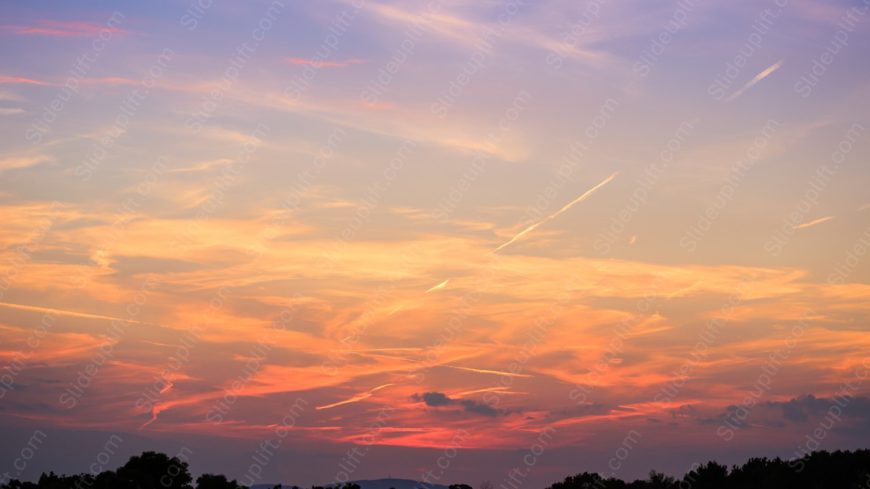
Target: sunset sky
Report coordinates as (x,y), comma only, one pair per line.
(633,234)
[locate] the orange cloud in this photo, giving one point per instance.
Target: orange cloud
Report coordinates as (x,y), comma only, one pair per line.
(12,163)
(362,320)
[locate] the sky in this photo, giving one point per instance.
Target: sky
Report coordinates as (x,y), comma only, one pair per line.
(310,242)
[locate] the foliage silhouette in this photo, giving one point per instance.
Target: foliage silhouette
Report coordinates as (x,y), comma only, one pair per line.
(818,470)
(212,481)
(153,470)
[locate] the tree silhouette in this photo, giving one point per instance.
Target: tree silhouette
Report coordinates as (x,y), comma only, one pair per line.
(817,470)
(658,480)
(153,470)
(711,475)
(212,481)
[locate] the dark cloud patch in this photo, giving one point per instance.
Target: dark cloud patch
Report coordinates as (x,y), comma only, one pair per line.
(842,413)
(734,416)
(478,408)
(439,399)
(582,410)
(684,411)
(436,399)
(800,409)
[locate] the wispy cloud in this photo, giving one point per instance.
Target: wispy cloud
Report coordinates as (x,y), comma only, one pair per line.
(757,78)
(4,95)
(18,162)
(556,214)
(11,111)
(203,166)
(60,28)
(452,27)
(21,80)
(474,32)
(191,87)
(317,63)
(111,80)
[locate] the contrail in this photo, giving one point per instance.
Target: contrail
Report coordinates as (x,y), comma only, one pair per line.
(61,312)
(757,78)
(366,350)
(494,372)
(814,222)
(148,423)
(356,398)
(500,390)
(437,287)
(154,413)
(557,213)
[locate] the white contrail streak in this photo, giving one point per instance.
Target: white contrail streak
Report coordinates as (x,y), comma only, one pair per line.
(556,214)
(437,287)
(359,397)
(492,372)
(814,222)
(62,312)
(757,78)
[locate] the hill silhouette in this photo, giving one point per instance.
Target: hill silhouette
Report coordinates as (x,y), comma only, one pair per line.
(817,470)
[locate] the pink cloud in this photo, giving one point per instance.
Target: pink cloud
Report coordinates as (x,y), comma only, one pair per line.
(107,81)
(111,80)
(378,105)
(323,64)
(20,80)
(61,28)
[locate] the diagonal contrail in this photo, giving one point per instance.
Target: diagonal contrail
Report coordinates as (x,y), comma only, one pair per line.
(814,222)
(437,287)
(62,312)
(556,214)
(359,397)
(485,371)
(757,78)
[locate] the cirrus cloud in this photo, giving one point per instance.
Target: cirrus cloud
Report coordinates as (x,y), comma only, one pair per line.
(60,28)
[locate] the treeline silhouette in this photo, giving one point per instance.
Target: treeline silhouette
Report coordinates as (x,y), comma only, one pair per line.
(818,470)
